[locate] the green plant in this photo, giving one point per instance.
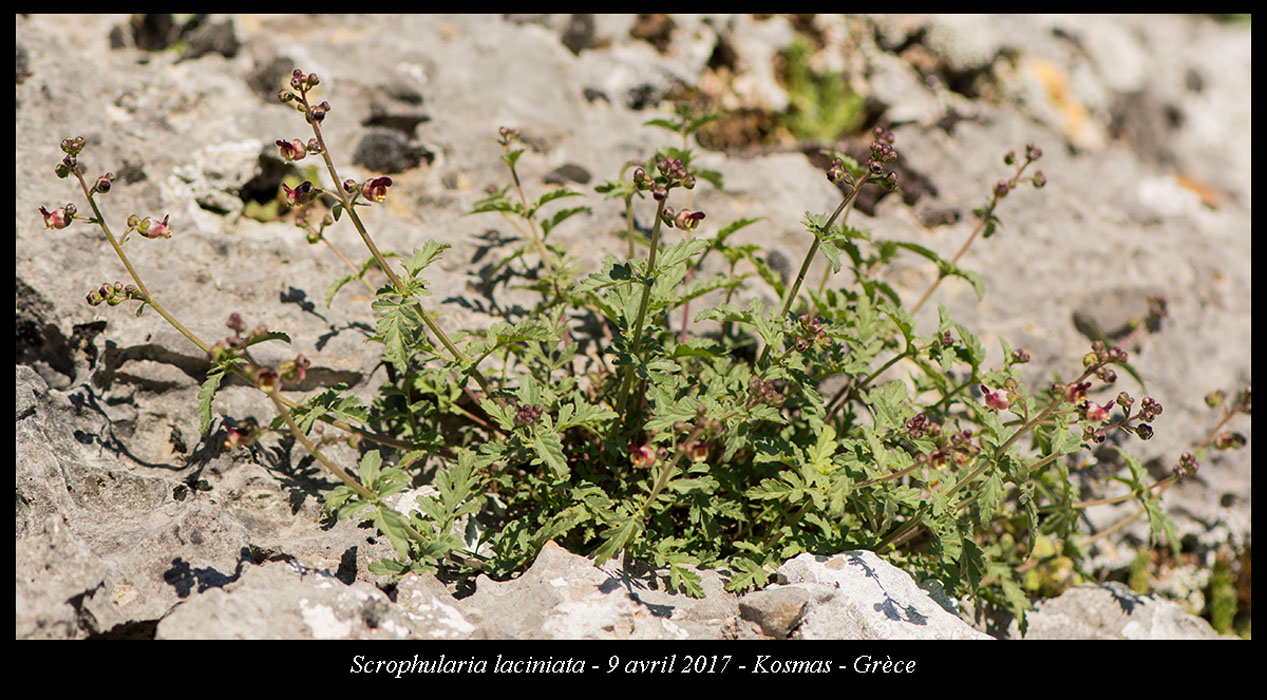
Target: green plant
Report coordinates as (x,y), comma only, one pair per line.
(821,107)
(716,445)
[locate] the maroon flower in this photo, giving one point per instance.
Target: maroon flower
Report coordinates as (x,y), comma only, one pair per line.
(58,218)
(299,196)
(292,150)
(996,400)
(642,455)
(159,230)
(375,189)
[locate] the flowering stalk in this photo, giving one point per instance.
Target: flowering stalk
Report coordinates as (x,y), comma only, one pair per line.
(987,220)
(315,115)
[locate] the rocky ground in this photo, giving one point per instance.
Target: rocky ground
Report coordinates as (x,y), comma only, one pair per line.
(129,524)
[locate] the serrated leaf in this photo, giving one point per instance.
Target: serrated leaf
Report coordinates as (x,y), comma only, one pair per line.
(615,539)
(549,449)
(205,395)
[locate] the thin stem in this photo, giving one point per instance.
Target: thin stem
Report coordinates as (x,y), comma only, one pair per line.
(347,203)
(335,469)
(623,399)
(846,203)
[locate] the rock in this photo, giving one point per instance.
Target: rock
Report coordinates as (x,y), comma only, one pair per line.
(283,601)
(564,596)
(1109,611)
(777,610)
(861,596)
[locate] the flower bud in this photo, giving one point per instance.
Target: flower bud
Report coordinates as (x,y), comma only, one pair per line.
(1039,179)
(1229,441)
(1144,431)
(1001,188)
(103,183)
(235,322)
(1032,152)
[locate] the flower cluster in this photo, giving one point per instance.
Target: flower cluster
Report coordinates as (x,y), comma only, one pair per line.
(527,415)
(765,392)
(810,332)
(114,294)
(672,173)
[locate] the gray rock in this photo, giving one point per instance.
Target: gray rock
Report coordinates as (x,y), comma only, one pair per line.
(861,596)
(564,596)
(284,601)
(777,610)
(1110,611)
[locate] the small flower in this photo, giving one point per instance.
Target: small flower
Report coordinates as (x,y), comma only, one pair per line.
(688,220)
(642,455)
(299,196)
(159,230)
(1144,431)
(239,436)
(1020,357)
(375,189)
(294,370)
(1075,393)
(1096,413)
(1229,441)
(1001,188)
(292,150)
(697,451)
(1033,152)
(996,400)
(266,379)
(58,218)
(1039,179)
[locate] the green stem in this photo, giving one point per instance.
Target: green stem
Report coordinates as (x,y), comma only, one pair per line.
(792,291)
(625,382)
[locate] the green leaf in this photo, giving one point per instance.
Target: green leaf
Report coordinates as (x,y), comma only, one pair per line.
(370,462)
(615,538)
(422,258)
(549,449)
(748,574)
(205,395)
(553,195)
